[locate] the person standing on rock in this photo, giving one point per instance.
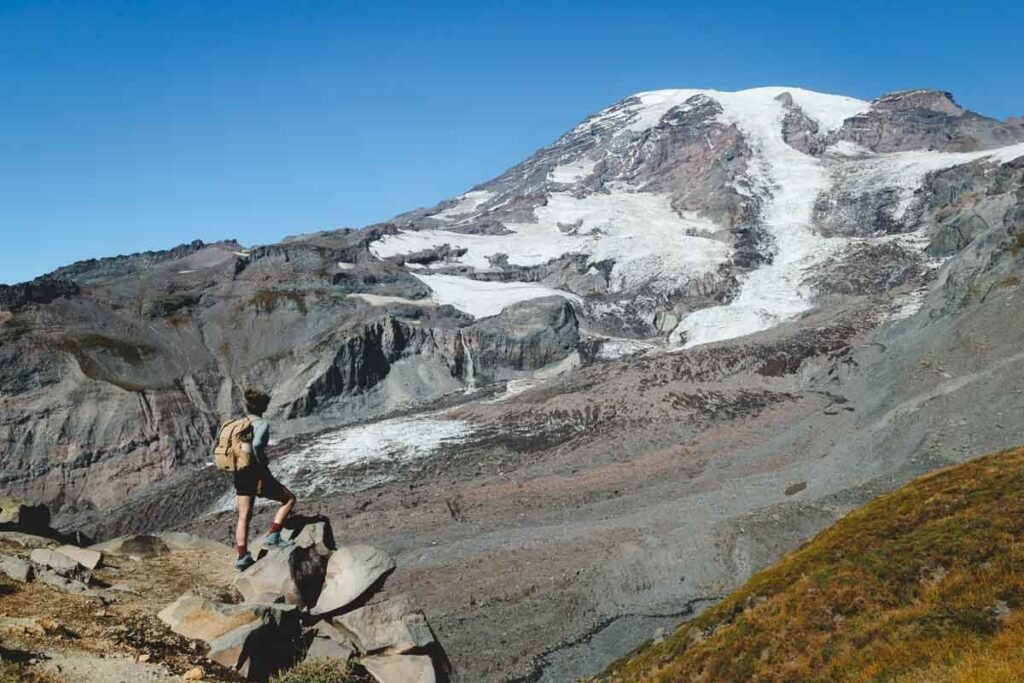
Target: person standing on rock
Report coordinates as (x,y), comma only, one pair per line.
(256,480)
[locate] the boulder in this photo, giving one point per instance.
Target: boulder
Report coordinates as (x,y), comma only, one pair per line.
(271,575)
(61,582)
(88,558)
(294,573)
(326,641)
(391,626)
(400,668)
(237,648)
(134,545)
(350,571)
(324,647)
(261,647)
(311,534)
(201,619)
(16,568)
(60,564)
(24,515)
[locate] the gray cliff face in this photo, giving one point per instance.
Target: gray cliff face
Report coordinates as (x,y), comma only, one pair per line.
(116,373)
(926,119)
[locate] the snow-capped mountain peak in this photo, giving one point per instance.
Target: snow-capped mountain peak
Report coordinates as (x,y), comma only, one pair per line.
(695,214)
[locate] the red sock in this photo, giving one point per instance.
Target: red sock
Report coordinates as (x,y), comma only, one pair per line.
(242,550)
(275,527)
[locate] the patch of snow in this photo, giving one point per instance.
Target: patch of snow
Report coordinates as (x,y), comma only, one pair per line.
(320,468)
(466,205)
(481,298)
(185,272)
(828,111)
(649,241)
(790,182)
(382,300)
(612,348)
(655,104)
(908,304)
(845,148)
(345,265)
(906,171)
(572,172)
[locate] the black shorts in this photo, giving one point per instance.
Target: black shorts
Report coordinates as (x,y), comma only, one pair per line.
(258,481)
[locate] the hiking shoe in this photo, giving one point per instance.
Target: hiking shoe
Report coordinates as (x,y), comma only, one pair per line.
(274,540)
(244,562)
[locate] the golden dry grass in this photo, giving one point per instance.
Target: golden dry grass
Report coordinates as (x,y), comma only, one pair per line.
(923,585)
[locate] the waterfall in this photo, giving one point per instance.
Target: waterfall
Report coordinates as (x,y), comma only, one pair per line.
(468,371)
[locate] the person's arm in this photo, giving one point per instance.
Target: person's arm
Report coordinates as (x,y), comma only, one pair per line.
(260,438)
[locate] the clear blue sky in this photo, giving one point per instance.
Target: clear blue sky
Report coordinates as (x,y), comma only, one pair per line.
(138,125)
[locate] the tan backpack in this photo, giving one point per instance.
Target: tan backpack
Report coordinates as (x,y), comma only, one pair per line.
(233,449)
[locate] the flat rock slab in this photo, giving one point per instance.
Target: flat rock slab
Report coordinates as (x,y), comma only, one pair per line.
(61,564)
(135,545)
(235,649)
(88,558)
(391,626)
(400,668)
(201,619)
(16,568)
(323,647)
(350,571)
(64,583)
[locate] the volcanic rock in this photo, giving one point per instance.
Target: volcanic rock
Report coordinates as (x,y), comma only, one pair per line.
(351,570)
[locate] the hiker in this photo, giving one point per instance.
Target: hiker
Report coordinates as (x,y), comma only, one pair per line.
(256,480)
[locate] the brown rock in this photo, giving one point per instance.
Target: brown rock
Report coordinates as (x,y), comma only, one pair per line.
(391,626)
(90,559)
(16,568)
(350,571)
(61,564)
(400,668)
(201,619)
(271,575)
(261,647)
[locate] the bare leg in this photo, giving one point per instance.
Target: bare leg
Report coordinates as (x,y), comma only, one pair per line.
(244,517)
(286,507)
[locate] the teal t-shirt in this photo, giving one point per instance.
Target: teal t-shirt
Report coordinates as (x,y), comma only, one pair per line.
(260,438)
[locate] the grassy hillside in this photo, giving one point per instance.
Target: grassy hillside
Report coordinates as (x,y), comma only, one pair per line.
(924,585)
